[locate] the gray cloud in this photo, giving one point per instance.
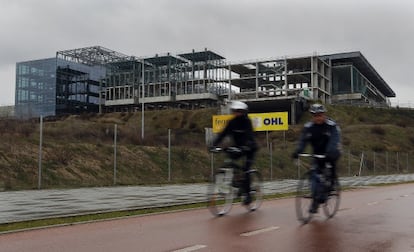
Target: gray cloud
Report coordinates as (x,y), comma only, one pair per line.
(382,30)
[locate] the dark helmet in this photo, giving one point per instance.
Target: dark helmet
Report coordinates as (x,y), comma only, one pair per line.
(317,108)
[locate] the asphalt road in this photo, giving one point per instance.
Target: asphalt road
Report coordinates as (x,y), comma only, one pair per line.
(36,204)
(369,219)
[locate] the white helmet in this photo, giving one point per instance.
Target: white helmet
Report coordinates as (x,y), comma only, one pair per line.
(238,105)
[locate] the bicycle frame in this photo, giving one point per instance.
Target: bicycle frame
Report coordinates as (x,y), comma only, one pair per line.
(312,185)
(317,156)
(234,169)
(320,173)
(226,178)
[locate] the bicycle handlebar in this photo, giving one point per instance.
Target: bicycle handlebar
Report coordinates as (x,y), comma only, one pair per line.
(216,149)
(230,149)
(312,155)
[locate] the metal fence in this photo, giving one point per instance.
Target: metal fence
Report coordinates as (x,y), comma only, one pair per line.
(116,155)
(361,163)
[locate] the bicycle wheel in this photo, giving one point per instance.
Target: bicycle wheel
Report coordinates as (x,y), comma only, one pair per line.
(334,198)
(256,190)
(220,192)
(303,200)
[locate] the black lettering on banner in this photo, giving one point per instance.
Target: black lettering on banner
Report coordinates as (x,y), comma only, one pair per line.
(273,121)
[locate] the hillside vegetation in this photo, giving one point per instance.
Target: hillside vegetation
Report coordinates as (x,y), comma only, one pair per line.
(79,150)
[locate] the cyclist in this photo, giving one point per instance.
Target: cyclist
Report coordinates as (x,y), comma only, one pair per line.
(240,129)
(324,136)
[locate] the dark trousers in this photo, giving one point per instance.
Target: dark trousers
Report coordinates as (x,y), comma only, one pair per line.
(248,164)
(320,165)
(318,187)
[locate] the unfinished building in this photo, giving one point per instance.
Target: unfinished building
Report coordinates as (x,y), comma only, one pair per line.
(190,80)
(97,79)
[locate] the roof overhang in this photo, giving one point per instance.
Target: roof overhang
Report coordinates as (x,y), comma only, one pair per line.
(361,63)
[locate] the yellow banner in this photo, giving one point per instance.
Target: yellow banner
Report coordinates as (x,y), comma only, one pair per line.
(260,121)
(220,122)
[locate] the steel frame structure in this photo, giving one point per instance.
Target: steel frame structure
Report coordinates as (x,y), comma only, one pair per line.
(186,80)
(94,55)
(204,78)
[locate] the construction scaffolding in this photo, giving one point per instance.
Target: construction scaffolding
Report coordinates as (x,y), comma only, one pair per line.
(204,78)
(190,80)
(81,76)
(91,56)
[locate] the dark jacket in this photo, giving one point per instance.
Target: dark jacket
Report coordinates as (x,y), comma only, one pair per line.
(324,139)
(241,131)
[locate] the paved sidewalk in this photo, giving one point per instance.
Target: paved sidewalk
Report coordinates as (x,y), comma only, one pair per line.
(37,204)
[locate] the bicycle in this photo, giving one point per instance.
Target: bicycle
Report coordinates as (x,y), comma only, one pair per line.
(227,181)
(316,187)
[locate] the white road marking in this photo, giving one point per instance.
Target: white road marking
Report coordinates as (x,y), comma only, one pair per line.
(259,231)
(405,195)
(189,249)
(372,203)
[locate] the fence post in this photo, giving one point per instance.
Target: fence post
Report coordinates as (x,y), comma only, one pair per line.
(398,163)
(386,162)
(267,140)
(361,163)
(169,154)
(349,162)
(115,135)
(39,181)
(271,161)
(212,165)
(407,163)
(373,157)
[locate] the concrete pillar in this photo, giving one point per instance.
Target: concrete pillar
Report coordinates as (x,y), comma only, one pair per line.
(257,80)
(229,89)
(352,79)
(329,75)
(293,112)
(314,90)
(286,81)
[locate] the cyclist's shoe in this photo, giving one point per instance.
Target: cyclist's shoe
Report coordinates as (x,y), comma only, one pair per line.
(314,207)
(247,200)
(323,199)
(239,192)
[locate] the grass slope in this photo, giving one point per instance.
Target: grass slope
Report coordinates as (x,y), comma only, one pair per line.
(79,150)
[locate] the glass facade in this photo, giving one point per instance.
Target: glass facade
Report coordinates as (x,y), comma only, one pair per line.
(49,87)
(35,88)
(77,87)
(359,82)
(347,80)
(341,80)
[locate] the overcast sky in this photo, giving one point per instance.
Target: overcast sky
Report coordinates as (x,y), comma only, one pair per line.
(237,29)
